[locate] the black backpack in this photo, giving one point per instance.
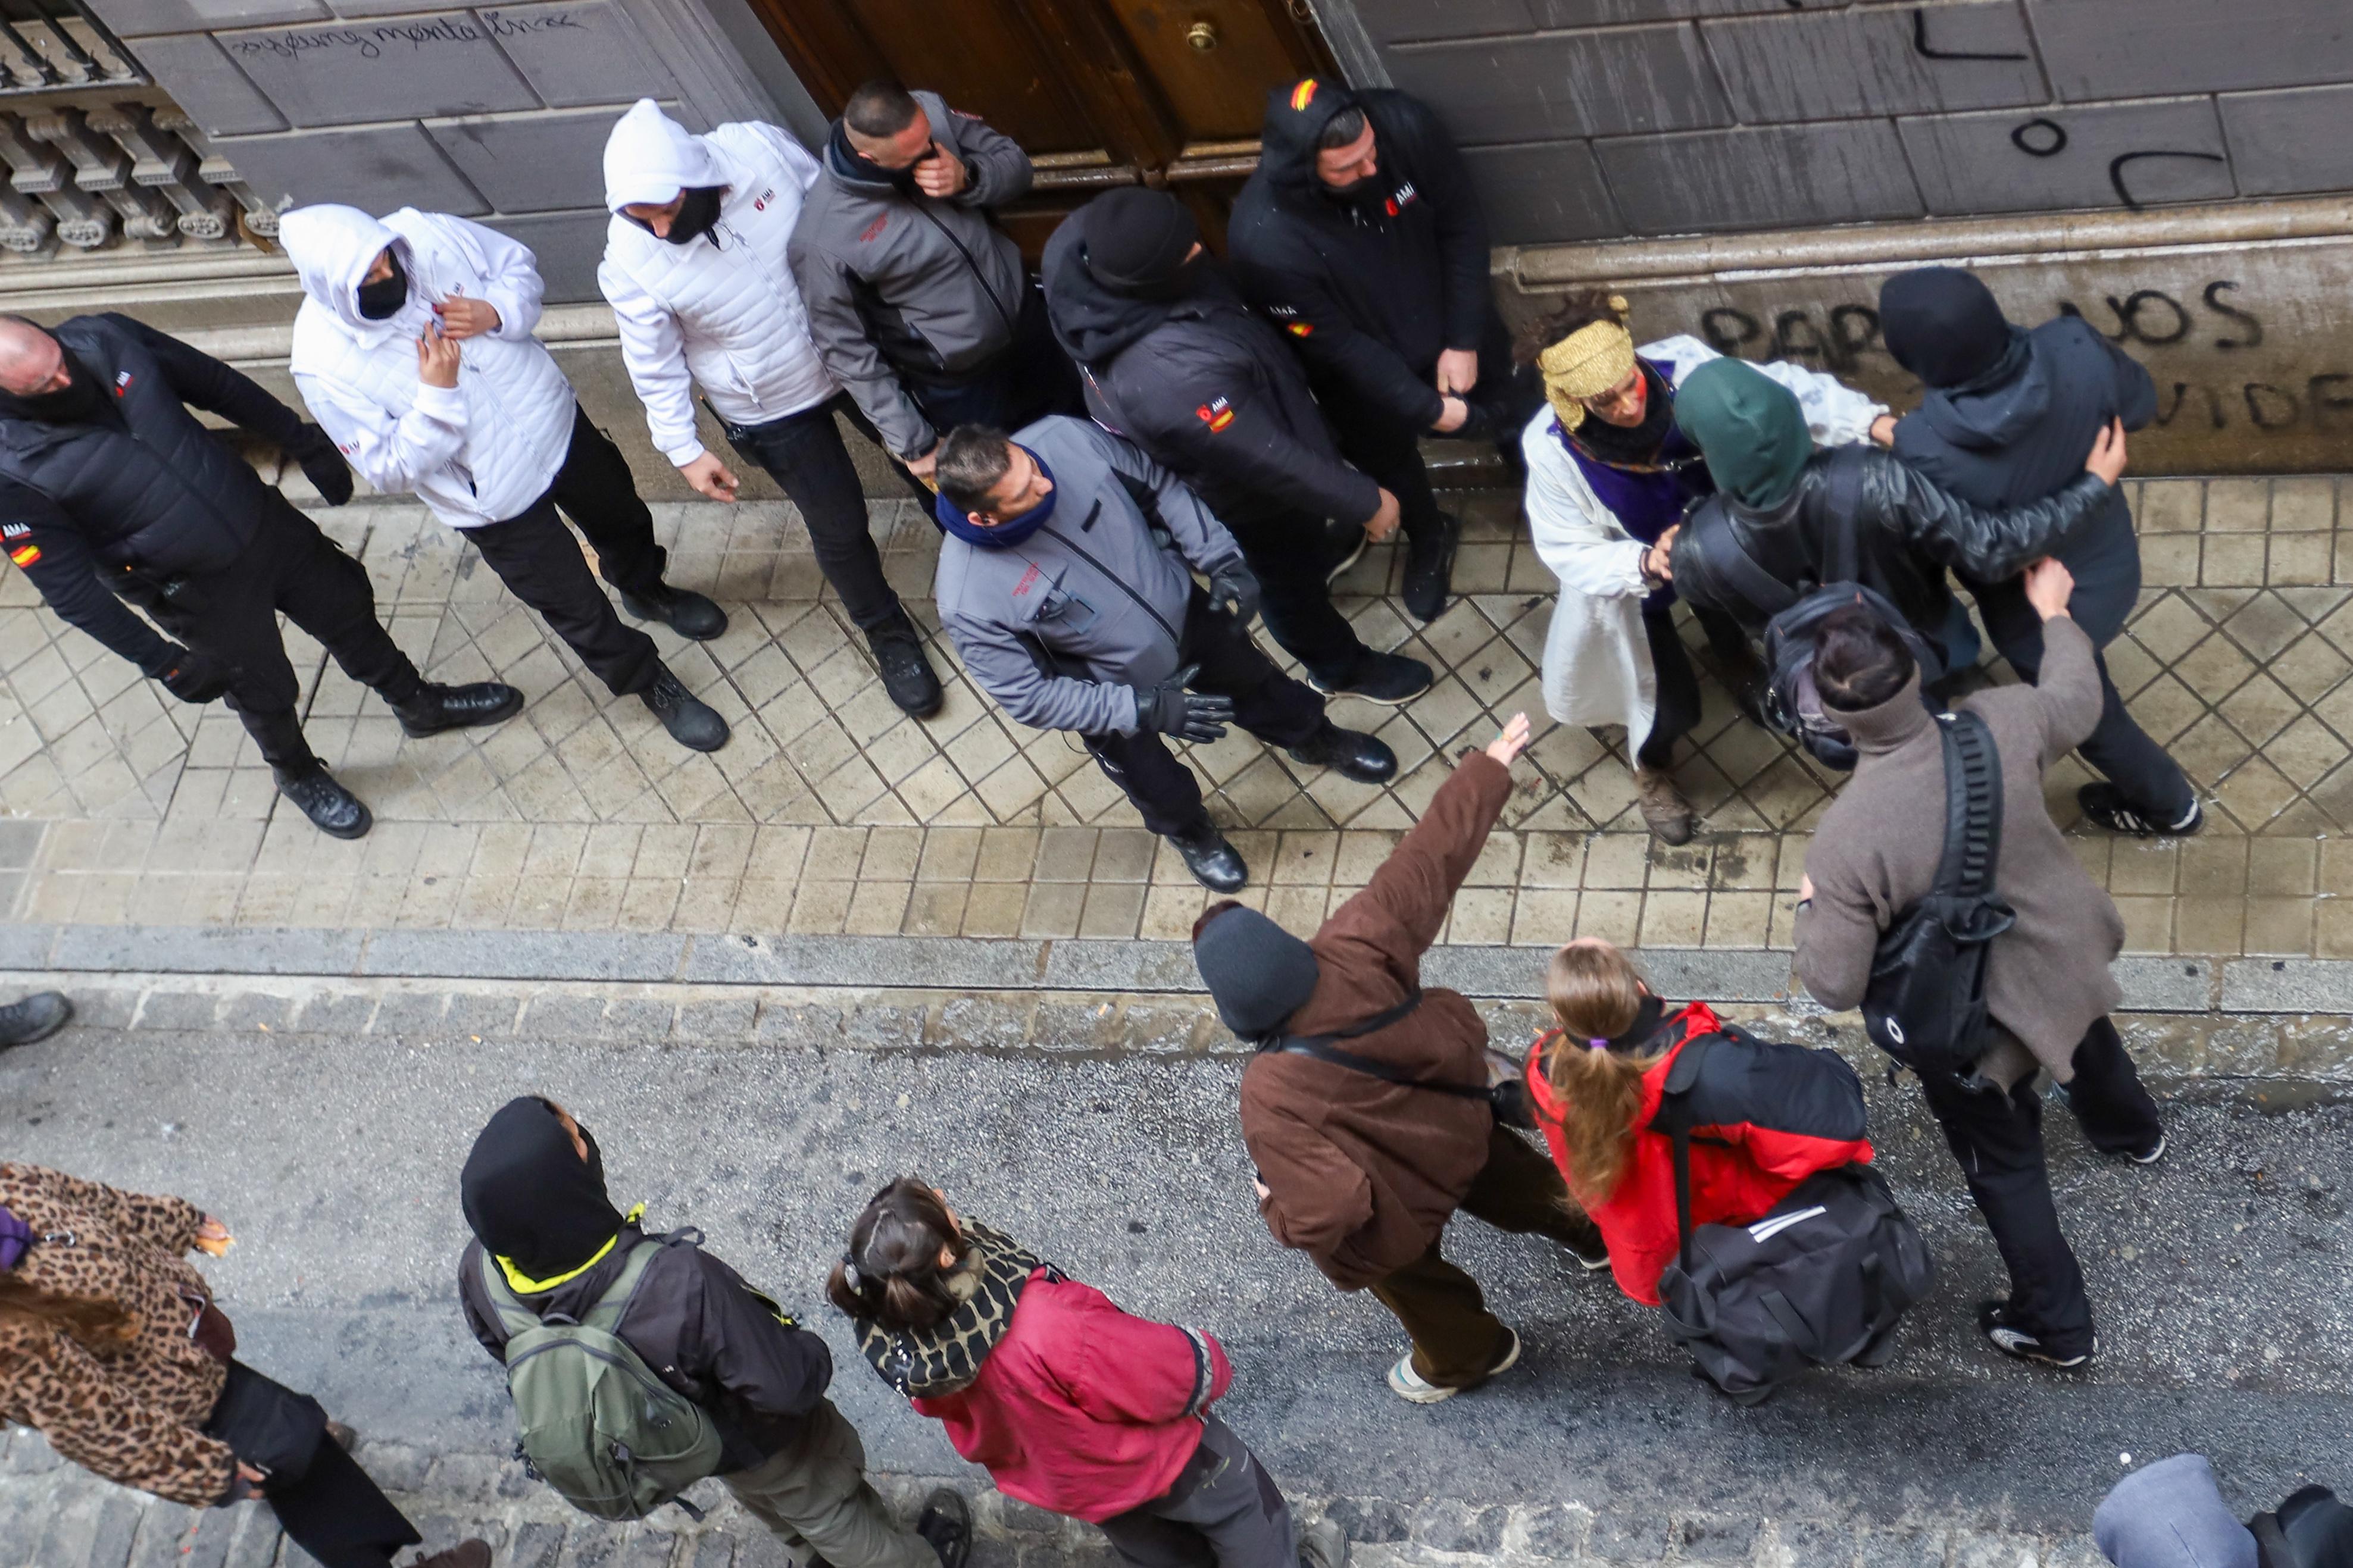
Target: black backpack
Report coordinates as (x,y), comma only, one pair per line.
(1925,1004)
(1792,703)
(2312,1528)
(1820,1280)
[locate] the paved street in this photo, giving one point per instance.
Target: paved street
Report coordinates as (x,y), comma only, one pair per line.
(2221,1280)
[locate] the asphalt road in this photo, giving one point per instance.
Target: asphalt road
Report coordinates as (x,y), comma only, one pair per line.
(2222,1277)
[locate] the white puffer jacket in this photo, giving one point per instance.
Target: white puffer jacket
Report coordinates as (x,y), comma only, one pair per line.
(721,310)
(480,452)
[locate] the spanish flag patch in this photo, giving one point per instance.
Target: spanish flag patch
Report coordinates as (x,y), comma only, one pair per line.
(1301,329)
(1216,414)
(25,555)
(1303,95)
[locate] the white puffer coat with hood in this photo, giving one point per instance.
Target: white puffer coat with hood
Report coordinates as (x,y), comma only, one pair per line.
(480,452)
(721,310)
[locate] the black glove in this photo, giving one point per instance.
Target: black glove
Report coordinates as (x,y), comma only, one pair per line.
(322,464)
(1170,710)
(193,677)
(1236,584)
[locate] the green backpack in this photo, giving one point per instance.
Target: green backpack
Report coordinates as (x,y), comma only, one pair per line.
(595,1422)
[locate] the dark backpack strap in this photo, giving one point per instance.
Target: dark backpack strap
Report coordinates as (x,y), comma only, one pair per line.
(1972,807)
(1683,1195)
(1843,498)
(1321,1048)
(1148,504)
(1752,582)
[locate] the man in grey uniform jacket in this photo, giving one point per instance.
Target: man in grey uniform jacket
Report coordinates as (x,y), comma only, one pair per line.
(1066,583)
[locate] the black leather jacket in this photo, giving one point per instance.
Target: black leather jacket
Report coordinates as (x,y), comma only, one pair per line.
(1907,532)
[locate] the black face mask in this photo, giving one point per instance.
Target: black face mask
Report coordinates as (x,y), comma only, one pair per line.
(380,298)
(77,402)
(1356,193)
(698,214)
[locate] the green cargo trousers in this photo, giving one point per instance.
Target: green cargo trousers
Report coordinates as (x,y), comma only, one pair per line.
(813,1495)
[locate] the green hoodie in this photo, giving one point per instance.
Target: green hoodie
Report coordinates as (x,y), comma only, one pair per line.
(1748,428)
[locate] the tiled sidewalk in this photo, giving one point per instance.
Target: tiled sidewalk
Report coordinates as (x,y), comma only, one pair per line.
(831,812)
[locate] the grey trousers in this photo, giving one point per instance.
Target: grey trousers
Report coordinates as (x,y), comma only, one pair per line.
(1222,1511)
(813,1494)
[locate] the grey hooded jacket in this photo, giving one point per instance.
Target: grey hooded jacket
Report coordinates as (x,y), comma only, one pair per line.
(1064,627)
(908,284)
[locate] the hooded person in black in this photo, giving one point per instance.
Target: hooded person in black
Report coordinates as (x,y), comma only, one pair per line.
(1173,361)
(2007,414)
(1361,235)
(533,1189)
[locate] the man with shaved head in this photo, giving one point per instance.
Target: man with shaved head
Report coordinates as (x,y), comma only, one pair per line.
(106,477)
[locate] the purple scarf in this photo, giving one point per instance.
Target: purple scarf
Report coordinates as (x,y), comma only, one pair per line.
(1646,501)
(15,1237)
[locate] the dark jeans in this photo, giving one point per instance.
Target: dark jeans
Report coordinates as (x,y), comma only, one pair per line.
(1267,702)
(1222,1511)
(1455,1338)
(2151,782)
(1291,552)
(1998,1139)
(1030,378)
(232,616)
(1388,449)
(536,557)
(334,1512)
(1678,703)
(804,453)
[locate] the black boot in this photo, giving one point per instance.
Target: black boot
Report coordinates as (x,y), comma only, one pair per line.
(332,809)
(1215,863)
(945,1525)
(1349,753)
(37,1017)
(438,708)
(1429,569)
(684,610)
(691,721)
(906,673)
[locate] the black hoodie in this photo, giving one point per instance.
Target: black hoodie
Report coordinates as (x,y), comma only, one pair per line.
(1373,287)
(1204,386)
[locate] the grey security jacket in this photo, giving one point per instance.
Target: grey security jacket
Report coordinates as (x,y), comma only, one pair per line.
(1063,627)
(908,285)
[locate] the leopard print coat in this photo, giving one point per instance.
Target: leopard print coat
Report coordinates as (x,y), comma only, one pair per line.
(130,1413)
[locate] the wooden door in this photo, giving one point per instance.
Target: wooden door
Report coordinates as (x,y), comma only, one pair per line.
(1100,93)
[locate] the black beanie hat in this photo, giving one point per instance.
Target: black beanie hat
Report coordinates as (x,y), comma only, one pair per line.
(1137,238)
(1258,972)
(528,1196)
(1942,324)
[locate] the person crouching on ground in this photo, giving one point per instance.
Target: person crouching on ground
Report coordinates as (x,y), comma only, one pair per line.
(1765,1116)
(1070,1404)
(1359,1171)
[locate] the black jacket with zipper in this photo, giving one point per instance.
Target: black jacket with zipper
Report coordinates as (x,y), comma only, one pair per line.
(701,1329)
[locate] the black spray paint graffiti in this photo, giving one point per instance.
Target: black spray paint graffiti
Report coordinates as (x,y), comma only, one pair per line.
(2148,318)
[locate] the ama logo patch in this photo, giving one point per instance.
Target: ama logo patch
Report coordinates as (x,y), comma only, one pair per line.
(1215,413)
(122,385)
(760,203)
(1404,197)
(21,548)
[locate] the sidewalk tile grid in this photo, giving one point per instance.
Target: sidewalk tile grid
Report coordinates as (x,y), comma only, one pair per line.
(831,812)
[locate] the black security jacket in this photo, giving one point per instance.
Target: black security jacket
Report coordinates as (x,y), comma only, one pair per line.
(1372,288)
(701,1329)
(1906,532)
(141,491)
(1204,387)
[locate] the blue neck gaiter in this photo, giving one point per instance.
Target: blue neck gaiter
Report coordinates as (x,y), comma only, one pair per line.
(1005,535)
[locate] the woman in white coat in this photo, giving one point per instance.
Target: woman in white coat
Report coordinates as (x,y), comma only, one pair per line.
(1608,476)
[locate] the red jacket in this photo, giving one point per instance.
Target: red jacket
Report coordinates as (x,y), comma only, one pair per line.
(1766,1115)
(1082,1409)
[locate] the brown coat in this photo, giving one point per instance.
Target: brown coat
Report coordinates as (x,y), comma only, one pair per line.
(130,1414)
(1363,1173)
(1876,854)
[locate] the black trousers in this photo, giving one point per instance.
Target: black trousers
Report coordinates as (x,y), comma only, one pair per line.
(1291,553)
(536,557)
(232,616)
(1223,1510)
(1030,378)
(1267,702)
(1388,449)
(2152,781)
(1678,684)
(334,1512)
(804,453)
(1998,1139)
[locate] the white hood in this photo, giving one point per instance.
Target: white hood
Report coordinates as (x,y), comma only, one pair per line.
(649,157)
(332,247)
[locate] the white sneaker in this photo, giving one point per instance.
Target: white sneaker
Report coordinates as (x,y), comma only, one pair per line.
(1407,1384)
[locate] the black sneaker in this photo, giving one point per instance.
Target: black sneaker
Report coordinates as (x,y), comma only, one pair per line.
(946,1524)
(1349,753)
(37,1017)
(2105,803)
(691,721)
(684,610)
(1387,678)
(1429,569)
(907,674)
(1215,863)
(332,809)
(1993,1321)
(439,707)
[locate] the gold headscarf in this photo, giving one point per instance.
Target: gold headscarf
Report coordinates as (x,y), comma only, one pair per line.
(1587,364)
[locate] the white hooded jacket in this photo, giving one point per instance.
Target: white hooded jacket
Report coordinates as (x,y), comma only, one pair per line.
(721,310)
(480,452)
